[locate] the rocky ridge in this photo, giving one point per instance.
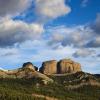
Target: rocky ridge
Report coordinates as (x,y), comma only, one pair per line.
(48,68)
(66,71)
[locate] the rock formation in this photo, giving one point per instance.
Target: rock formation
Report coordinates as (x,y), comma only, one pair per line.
(28,70)
(29,65)
(68,66)
(61,67)
(49,67)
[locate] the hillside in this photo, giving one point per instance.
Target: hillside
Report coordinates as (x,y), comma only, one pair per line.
(24,89)
(27,83)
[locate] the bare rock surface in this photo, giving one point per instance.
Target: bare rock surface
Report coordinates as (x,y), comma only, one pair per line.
(49,67)
(68,66)
(61,67)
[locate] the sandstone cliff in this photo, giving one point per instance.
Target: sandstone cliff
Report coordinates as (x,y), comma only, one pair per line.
(60,67)
(49,67)
(68,66)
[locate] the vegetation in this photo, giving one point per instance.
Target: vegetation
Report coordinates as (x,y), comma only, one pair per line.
(22,89)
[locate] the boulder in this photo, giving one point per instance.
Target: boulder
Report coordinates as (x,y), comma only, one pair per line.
(49,67)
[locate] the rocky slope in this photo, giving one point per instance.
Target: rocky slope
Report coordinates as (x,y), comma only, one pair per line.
(76,80)
(27,71)
(76,86)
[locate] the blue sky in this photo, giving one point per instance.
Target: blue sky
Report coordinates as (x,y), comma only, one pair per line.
(40,30)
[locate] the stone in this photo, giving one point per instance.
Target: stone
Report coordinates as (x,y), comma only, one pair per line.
(49,67)
(77,67)
(61,67)
(68,66)
(29,65)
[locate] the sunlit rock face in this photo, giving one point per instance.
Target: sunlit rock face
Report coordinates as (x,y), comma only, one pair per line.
(68,66)
(61,67)
(49,67)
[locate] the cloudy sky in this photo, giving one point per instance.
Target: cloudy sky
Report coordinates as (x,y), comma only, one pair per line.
(39,30)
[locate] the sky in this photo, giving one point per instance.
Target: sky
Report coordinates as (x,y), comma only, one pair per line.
(40,30)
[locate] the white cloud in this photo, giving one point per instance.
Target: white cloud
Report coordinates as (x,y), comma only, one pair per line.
(8,52)
(78,36)
(12,32)
(13,7)
(83,52)
(94,43)
(52,8)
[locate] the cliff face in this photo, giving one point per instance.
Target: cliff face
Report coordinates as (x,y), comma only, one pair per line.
(68,66)
(49,67)
(60,67)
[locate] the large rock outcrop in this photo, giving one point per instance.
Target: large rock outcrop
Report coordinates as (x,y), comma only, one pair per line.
(29,65)
(49,67)
(61,67)
(68,66)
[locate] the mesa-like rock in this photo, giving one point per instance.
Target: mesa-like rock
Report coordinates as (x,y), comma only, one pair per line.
(61,67)
(68,66)
(49,67)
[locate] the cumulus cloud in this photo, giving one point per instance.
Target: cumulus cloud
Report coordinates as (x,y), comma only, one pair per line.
(52,8)
(83,52)
(8,52)
(84,36)
(78,36)
(16,31)
(12,32)
(94,43)
(13,7)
